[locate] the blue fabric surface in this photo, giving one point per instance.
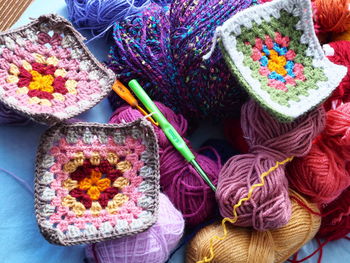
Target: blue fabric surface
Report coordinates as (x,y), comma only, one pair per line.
(20,240)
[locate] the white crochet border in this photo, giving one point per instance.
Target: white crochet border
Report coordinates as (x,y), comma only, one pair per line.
(301,8)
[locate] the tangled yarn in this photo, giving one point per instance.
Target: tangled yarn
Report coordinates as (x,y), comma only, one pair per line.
(269,141)
(163,49)
(153,245)
(336,222)
(338,52)
(245,245)
(99,15)
(178,180)
(324,173)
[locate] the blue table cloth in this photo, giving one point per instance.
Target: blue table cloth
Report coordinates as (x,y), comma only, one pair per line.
(20,240)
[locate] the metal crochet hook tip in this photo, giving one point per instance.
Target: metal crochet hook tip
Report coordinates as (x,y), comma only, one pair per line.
(202,174)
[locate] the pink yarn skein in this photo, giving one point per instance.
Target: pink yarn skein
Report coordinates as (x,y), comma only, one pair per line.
(178,180)
(269,141)
(153,245)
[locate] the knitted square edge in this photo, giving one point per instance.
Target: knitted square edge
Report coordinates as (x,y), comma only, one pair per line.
(281,65)
(67,207)
(47,73)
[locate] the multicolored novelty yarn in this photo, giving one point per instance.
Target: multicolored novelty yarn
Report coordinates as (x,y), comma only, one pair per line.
(153,245)
(273,51)
(178,179)
(96,182)
(47,73)
(269,141)
(163,49)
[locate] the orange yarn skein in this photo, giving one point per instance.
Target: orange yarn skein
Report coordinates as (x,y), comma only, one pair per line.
(333,15)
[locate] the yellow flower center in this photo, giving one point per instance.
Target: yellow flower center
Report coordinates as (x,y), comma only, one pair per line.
(41,82)
(277,63)
(95,184)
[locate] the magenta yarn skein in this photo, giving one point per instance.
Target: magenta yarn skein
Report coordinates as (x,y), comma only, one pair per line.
(185,188)
(269,141)
(153,245)
(128,114)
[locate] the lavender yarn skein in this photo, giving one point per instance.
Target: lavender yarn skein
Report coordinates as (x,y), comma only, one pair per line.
(153,245)
(99,15)
(163,49)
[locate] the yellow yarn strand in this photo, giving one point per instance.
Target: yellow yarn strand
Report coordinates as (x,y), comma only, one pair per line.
(236,206)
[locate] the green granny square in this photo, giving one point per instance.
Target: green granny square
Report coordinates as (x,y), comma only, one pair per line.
(273,51)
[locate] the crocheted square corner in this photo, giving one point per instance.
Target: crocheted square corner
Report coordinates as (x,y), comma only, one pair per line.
(273,51)
(47,73)
(96,182)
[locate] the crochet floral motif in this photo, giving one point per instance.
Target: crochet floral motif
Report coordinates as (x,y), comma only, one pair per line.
(97,181)
(277,62)
(101,182)
(280,61)
(82,187)
(46,69)
(274,53)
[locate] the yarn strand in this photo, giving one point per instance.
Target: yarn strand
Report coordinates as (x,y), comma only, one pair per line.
(236,206)
(19,179)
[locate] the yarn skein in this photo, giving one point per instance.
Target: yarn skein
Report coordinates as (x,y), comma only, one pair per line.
(245,245)
(153,245)
(323,174)
(338,52)
(179,181)
(269,141)
(8,116)
(336,222)
(333,15)
(163,49)
(99,15)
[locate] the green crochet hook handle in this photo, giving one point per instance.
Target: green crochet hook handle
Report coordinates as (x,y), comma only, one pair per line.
(170,132)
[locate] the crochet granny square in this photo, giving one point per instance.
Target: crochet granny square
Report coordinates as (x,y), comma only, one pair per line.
(96,182)
(47,73)
(274,53)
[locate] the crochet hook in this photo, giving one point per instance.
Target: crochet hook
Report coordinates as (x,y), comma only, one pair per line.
(126,95)
(170,132)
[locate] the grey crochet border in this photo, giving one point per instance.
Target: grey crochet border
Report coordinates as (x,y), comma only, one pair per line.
(57,22)
(150,175)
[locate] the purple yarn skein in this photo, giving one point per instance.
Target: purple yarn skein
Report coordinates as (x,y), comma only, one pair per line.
(153,245)
(8,116)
